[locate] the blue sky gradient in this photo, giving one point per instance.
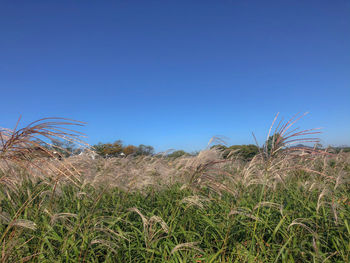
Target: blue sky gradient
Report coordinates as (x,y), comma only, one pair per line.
(172,74)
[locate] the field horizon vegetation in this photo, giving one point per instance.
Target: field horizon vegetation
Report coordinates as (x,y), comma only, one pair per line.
(65,201)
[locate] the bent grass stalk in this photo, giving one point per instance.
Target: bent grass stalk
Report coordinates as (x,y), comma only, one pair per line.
(234,211)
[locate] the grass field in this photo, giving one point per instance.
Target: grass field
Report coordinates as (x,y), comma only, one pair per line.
(278,207)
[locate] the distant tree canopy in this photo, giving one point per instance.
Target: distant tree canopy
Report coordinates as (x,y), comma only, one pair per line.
(339,149)
(344,149)
(245,152)
(177,154)
(109,149)
(144,150)
(115,149)
(130,149)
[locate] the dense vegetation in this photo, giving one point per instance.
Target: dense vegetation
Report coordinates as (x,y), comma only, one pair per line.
(175,225)
(279,205)
(117,148)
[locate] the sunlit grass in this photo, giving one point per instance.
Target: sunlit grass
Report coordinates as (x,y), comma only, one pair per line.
(274,208)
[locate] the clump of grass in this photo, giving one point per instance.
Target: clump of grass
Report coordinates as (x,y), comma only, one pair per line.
(19,144)
(278,207)
(19,150)
(99,226)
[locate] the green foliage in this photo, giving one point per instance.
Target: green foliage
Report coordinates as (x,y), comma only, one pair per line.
(280,210)
(219,147)
(116,148)
(109,149)
(144,150)
(273,144)
(344,149)
(245,152)
(130,149)
(177,154)
(92,225)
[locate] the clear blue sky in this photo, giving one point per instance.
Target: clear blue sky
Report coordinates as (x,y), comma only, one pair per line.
(172,74)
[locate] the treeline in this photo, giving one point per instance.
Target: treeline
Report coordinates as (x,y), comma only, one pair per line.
(339,149)
(117,149)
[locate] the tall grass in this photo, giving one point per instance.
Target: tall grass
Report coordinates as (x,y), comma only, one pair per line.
(282,206)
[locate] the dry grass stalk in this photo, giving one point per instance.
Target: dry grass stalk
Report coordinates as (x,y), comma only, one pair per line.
(245,212)
(30,148)
(151,233)
(270,204)
(195,200)
(187,246)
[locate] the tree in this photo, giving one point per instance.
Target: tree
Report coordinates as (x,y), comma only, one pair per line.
(222,149)
(130,149)
(219,147)
(178,154)
(245,152)
(144,150)
(109,149)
